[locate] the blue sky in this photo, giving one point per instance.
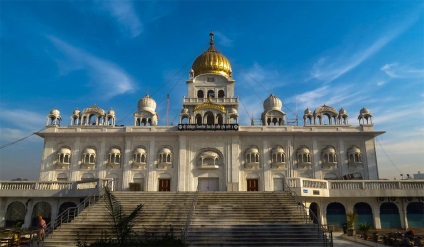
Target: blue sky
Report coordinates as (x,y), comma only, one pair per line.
(351,54)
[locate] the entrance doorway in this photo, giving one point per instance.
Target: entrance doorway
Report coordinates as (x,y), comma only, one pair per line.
(209,184)
(164,184)
(252,184)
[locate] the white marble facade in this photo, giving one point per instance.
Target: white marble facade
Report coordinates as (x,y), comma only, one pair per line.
(245,158)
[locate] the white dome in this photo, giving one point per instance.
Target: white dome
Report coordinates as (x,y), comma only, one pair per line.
(184,110)
(65,150)
(76,112)
(365,111)
(147,104)
(140,151)
(277,150)
(55,112)
(252,150)
(89,151)
(273,103)
(165,151)
(115,151)
(307,111)
(329,150)
(342,111)
(303,150)
(111,112)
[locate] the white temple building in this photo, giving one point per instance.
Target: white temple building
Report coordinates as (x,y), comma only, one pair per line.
(330,160)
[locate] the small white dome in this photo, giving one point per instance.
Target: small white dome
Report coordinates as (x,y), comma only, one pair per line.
(365,111)
(147,104)
(89,151)
(329,150)
(184,110)
(76,112)
(277,150)
(140,151)
(252,150)
(165,151)
(303,150)
(273,103)
(307,111)
(115,151)
(342,111)
(111,112)
(64,150)
(55,112)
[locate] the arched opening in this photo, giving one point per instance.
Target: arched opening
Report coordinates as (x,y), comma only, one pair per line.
(200,94)
(115,183)
(314,212)
(198,119)
(336,214)
(41,209)
(221,94)
(72,208)
(211,94)
(364,212)
(184,120)
(62,177)
(389,215)
(87,176)
(143,122)
(220,119)
(209,118)
(15,214)
(415,214)
(138,182)
(92,119)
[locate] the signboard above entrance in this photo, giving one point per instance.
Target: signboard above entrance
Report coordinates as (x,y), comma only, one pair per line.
(208,127)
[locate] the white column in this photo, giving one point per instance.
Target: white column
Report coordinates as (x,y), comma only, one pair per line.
(126,165)
(151,174)
(315,161)
(182,165)
(342,158)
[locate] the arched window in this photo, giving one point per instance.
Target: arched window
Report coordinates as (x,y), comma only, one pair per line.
(164,155)
(354,156)
(336,214)
(140,155)
(41,209)
(64,155)
(328,155)
(211,94)
(252,155)
(200,94)
(89,156)
(220,119)
(87,176)
(15,214)
(278,155)
(114,156)
(303,155)
(62,177)
(210,119)
(198,119)
(221,94)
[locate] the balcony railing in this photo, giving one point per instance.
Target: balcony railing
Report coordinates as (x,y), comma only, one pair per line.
(347,188)
(213,100)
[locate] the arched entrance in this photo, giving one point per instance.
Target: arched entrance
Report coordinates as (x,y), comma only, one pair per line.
(115,181)
(66,205)
(364,212)
(389,215)
(415,214)
(15,214)
(41,209)
(314,211)
(336,214)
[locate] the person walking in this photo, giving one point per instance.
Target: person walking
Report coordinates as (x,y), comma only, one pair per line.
(41,226)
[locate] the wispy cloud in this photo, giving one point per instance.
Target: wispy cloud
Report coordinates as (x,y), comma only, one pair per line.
(395,70)
(258,76)
(223,40)
(336,96)
(17,128)
(124,15)
(109,79)
(329,68)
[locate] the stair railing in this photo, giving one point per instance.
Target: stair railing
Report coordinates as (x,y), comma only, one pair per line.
(184,231)
(70,213)
(328,240)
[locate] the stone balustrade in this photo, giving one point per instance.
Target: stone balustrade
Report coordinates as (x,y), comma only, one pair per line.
(365,188)
(214,100)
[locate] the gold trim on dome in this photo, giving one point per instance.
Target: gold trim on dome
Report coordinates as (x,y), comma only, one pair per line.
(210,105)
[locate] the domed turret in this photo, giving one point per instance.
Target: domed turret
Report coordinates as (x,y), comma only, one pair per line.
(54,117)
(272,103)
(364,111)
(211,61)
(55,112)
(76,112)
(307,112)
(147,104)
(111,112)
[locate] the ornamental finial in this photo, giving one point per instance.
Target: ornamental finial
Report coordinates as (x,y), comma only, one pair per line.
(211,41)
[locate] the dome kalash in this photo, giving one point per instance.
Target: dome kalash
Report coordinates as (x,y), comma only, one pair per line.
(211,61)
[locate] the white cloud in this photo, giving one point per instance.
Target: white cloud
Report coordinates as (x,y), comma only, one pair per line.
(328,69)
(125,16)
(109,79)
(394,70)
(223,40)
(21,123)
(259,77)
(381,83)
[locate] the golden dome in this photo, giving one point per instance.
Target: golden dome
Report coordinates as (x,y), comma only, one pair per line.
(211,61)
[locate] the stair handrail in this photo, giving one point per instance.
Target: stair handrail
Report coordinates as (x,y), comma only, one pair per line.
(70,213)
(311,215)
(184,232)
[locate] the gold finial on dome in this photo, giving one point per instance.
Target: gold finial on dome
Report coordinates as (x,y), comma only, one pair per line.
(211,42)
(211,61)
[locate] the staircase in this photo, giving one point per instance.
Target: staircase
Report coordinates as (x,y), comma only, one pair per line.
(219,219)
(251,219)
(160,210)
